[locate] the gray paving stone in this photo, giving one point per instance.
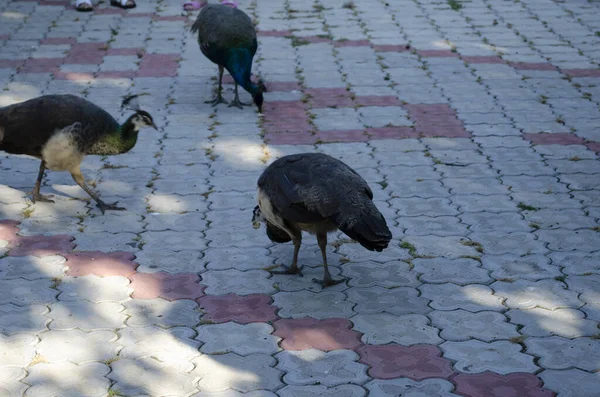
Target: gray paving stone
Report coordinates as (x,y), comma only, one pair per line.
(383,328)
(310,367)
(560,353)
(460,271)
(482,186)
(576,262)
(17,350)
(46,379)
(528,267)
(568,240)
(500,357)
(547,294)
(230,371)
(490,222)
(474,298)
(396,301)
(498,243)
(32,267)
(237,338)
(461,325)
(324,304)
(234,281)
(74,346)
(388,275)
(438,226)
(26,292)
(568,323)
(317,391)
(423,206)
(447,247)
(185,261)
(10,380)
(94,289)
(572,382)
(357,253)
(86,315)
(143,313)
(410,388)
(174,241)
(174,345)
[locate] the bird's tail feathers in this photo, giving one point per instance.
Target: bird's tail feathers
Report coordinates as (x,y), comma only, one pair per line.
(367,226)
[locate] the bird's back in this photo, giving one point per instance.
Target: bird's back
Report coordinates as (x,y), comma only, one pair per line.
(28,125)
(223,27)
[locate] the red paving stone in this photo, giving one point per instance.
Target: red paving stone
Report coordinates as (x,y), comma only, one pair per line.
(159,65)
(489,384)
(241,309)
(352,43)
(532,66)
(442,131)
(273,86)
(416,362)
(4,37)
(299,138)
(139,15)
(391,47)
(170,18)
(314,39)
(101,264)
(582,72)
(437,53)
(10,63)
(374,100)
(109,11)
(342,136)
(482,59)
(593,146)
(274,33)
(562,138)
(9,230)
(392,133)
(86,53)
(41,245)
(58,40)
(166,285)
(41,65)
(124,51)
(309,333)
(329,97)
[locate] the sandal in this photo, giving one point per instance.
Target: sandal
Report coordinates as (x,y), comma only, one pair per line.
(84,5)
(124,4)
(194,5)
(229,3)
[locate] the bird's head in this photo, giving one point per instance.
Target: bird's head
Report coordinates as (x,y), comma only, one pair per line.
(257,217)
(258,94)
(142,119)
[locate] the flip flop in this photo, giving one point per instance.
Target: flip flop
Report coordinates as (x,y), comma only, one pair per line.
(123,4)
(194,5)
(229,3)
(84,5)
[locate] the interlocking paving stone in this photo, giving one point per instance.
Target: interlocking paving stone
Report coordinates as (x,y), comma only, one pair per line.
(407,387)
(17,350)
(473,298)
(547,294)
(490,384)
(237,338)
(460,325)
(325,304)
(396,301)
(384,328)
(315,391)
(458,271)
(569,323)
(174,345)
(560,353)
(48,379)
(324,335)
(572,382)
(161,312)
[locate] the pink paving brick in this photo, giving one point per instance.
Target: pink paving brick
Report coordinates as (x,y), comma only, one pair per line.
(101,264)
(10,63)
(391,47)
(109,11)
(445,131)
(274,33)
(166,285)
(159,65)
(124,51)
(482,59)
(342,136)
(434,108)
(437,53)
(314,39)
(279,138)
(273,86)
(41,245)
(352,43)
(58,40)
(41,65)
(376,100)
(532,66)
(9,230)
(416,362)
(61,3)
(329,97)
(241,309)
(309,333)
(86,53)
(593,146)
(435,119)
(4,37)
(139,15)
(582,72)
(554,139)
(489,384)
(170,18)
(400,132)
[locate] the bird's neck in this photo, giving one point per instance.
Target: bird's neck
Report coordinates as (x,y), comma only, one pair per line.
(239,65)
(126,136)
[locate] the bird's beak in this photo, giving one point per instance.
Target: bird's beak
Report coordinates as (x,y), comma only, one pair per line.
(255,224)
(154,126)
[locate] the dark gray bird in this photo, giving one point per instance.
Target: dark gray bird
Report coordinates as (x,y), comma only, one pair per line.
(61,130)
(316,193)
(227,37)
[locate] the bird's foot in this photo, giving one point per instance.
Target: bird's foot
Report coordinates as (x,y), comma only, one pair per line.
(39,198)
(216,100)
(103,206)
(288,270)
(238,104)
(328,282)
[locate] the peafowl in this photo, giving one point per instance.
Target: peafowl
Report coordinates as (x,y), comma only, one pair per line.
(227,37)
(61,130)
(316,193)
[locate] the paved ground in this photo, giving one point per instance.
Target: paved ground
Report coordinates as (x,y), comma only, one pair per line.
(477,127)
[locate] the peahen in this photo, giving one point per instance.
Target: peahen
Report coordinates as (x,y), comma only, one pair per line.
(316,193)
(227,37)
(61,130)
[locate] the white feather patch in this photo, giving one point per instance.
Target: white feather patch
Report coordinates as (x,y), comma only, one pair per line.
(61,153)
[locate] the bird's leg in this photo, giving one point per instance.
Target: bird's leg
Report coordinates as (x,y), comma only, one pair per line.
(78,177)
(294,269)
(236,100)
(327,279)
(219,98)
(35,193)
